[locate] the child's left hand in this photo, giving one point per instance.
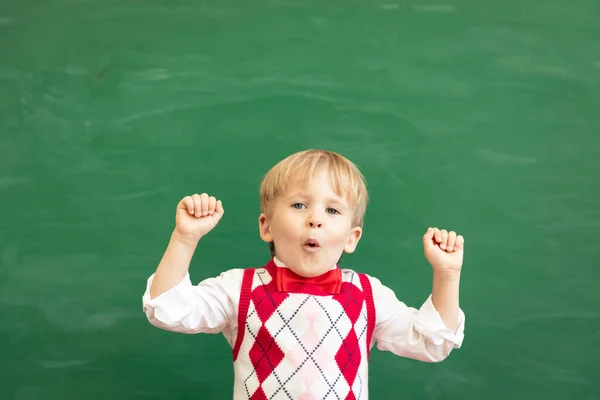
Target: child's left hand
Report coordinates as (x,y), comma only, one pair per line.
(444,250)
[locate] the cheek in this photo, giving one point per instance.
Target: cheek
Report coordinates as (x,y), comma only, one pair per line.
(285,227)
(338,236)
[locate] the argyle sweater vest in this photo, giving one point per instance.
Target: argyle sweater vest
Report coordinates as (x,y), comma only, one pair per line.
(302,345)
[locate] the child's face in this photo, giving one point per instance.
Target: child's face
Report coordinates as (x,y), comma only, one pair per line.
(311,226)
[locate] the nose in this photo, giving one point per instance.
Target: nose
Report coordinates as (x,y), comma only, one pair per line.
(314,220)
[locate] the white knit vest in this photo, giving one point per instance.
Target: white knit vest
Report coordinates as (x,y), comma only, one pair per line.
(301,346)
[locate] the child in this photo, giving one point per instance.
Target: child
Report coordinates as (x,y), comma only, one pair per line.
(301,327)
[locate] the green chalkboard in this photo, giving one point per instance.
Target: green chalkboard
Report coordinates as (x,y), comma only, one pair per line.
(482,116)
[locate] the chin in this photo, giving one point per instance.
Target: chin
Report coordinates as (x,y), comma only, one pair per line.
(310,273)
(308,265)
(310,270)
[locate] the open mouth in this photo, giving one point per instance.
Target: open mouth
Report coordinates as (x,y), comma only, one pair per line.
(311,243)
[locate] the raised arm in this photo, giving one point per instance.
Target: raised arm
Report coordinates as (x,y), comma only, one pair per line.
(195,216)
(432,331)
(444,251)
(417,333)
(170,301)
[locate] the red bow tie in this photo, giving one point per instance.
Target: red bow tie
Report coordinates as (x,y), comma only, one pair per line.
(288,281)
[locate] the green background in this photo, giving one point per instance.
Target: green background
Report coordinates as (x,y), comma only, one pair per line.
(477,116)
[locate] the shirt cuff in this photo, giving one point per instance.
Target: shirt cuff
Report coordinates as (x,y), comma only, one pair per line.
(172,306)
(430,324)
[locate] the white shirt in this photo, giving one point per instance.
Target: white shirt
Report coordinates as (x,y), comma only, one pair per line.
(211,307)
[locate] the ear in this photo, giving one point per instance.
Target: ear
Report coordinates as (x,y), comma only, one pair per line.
(264,228)
(353,238)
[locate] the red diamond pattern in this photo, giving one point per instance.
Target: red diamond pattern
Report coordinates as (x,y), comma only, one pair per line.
(349,291)
(351,396)
(348,357)
(259,395)
(266,304)
(265,354)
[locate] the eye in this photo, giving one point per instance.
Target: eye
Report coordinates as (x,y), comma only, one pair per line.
(332,211)
(298,206)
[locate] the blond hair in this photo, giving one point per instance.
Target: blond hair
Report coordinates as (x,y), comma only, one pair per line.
(346,179)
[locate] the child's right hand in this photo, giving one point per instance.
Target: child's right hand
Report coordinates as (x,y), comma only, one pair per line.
(197,215)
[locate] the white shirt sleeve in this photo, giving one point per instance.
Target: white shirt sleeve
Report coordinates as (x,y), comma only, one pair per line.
(209,307)
(405,331)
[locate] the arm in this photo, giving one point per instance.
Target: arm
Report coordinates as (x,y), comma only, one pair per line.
(444,296)
(419,334)
(209,307)
(174,265)
(430,333)
(170,301)
(444,251)
(195,216)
